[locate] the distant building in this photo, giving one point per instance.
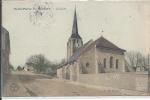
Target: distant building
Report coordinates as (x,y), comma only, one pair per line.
(5,52)
(93,57)
(30,68)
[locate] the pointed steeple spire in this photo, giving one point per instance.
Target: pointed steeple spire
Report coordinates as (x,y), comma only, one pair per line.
(75,41)
(75,25)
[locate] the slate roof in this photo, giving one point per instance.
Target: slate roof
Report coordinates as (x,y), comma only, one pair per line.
(75,27)
(77,36)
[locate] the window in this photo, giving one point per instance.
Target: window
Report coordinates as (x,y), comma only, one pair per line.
(87,64)
(104,61)
(84,69)
(117,61)
(111,62)
(99,67)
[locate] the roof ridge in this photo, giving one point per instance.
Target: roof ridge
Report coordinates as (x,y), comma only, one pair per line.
(104,43)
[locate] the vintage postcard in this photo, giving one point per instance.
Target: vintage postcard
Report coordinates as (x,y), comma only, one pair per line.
(55,48)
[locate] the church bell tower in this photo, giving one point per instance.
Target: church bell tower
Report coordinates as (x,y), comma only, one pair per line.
(75,41)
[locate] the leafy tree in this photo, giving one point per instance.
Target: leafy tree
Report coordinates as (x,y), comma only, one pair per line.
(41,64)
(37,62)
(11,67)
(19,68)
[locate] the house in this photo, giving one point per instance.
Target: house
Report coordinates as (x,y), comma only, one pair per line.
(5,53)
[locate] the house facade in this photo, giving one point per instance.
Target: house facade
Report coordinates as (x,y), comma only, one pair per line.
(5,53)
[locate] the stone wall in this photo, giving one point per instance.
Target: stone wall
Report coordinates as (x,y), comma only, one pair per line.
(126,80)
(69,72)
(142,83)
(130,81)
(59,73)
(88,57)
(103,54)
(74,72)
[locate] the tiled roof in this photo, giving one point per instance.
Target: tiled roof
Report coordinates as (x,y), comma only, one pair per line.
(104,43)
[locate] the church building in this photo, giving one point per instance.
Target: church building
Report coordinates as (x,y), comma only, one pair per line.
(93,57)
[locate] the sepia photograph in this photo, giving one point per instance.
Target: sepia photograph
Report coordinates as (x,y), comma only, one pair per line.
(62,48)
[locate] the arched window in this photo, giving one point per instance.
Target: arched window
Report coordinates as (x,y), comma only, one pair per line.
(99,67)
(111,62)
(117,61)
(104,61)
(84,69)
(87,64)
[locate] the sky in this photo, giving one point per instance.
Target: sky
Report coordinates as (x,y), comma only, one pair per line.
(125,24)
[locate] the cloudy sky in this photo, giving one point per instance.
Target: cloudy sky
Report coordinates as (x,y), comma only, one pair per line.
(46,32)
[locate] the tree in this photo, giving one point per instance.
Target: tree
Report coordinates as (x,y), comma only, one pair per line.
(41,64)
(38,62)
(147,61)
(136,59)
(11,67)
(19,68)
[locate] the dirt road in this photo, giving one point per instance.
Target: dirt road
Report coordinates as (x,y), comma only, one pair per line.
(30,84)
